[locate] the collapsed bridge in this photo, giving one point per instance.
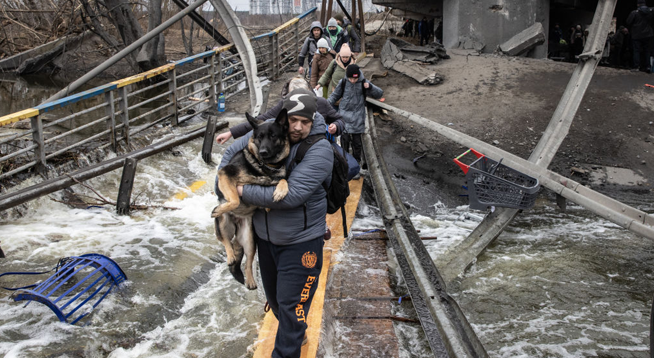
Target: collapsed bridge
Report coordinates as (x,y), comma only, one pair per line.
(117,97)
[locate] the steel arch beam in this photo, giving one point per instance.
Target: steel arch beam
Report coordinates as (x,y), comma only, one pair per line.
(242,43)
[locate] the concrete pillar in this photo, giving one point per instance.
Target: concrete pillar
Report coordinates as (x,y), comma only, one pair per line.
(450,23)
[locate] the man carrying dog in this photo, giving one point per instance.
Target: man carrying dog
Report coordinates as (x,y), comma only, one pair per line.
(290,235)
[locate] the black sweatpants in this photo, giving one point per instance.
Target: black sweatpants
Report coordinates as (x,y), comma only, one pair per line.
(357,145)
(290,277)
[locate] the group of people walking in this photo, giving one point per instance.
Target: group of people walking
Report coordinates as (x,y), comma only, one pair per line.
(630,46)
(290,233)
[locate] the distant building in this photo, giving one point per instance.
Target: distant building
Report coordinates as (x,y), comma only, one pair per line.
(274,7)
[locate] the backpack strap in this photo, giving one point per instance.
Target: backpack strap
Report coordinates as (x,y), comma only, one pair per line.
(303,148)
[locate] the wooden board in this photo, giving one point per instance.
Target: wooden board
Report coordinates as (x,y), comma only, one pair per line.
(266,341)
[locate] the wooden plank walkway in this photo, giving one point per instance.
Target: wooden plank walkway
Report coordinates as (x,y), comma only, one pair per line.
(356,303)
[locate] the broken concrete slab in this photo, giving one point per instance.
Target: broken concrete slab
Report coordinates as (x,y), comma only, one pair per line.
(524,41)
(403,57)
(400,50)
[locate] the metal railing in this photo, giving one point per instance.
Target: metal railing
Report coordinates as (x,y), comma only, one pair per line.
(105,116)
(276,51)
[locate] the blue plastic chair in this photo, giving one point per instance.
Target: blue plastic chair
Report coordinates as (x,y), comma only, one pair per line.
(65,293)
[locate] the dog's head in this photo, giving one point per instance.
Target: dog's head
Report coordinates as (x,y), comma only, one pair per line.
(270,139)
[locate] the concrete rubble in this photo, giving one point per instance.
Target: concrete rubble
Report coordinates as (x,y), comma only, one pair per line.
(529,38)
(408,59)
(469,43)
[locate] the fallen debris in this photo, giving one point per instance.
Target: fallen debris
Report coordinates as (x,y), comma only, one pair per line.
(404,57)
(469,43)
(524,41)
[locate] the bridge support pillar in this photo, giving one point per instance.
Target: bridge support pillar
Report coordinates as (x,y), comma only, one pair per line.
(126,185)
(561,202)
(207,145)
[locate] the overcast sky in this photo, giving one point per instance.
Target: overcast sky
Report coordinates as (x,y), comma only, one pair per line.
(244,5)
(240,5)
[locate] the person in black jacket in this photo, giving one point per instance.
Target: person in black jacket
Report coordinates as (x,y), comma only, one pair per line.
(331,116)
(336,36)
(642,34)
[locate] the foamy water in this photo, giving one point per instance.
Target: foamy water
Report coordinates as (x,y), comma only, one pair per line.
(553,285)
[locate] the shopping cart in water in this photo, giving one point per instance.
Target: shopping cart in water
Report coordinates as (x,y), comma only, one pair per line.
(491,183)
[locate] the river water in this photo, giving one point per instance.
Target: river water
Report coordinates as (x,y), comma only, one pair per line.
(553,285)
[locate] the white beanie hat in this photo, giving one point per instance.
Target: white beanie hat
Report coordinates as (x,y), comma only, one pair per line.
(332,22)
(323,43)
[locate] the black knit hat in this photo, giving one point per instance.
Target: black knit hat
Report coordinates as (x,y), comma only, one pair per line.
(352,71)
(301,102)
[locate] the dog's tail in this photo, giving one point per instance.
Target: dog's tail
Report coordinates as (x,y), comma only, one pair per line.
(236,271)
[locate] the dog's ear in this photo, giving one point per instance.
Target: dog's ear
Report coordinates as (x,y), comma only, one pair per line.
(282,119)
(253,121)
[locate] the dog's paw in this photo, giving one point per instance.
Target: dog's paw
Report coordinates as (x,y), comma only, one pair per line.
(216,212)
(281,190)
(231,260)
(251,285)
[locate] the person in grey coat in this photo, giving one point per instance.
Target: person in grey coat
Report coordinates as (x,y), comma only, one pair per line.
(352,91)
(310,46)
(290,235)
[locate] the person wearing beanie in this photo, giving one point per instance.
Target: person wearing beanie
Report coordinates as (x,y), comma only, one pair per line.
(335,35)
(352,92)
(321,62)
(355,40)
(336,69)
(642,34)
(290,233)
(330,115)
(310,46)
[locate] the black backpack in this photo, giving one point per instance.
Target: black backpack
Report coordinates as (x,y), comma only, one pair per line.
(339,189)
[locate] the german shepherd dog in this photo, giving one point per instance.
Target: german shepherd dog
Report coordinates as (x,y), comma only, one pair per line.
(262,162)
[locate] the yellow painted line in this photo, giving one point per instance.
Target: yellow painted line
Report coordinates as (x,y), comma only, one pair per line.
(223,48)
(181,195)
(266,341)
(145,75)
(15,117)
(284,26)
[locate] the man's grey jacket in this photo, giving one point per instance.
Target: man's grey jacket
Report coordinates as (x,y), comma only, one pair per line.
(300,216)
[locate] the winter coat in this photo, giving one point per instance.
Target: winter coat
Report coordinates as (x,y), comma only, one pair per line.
(329,114)
(300,216)
(310,46)
(334,73)
(319,66)
(355,40)
(353,106)
(640,22)
(336,41)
